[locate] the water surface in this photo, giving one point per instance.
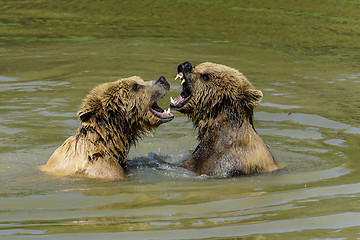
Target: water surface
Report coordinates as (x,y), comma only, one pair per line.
(303,55)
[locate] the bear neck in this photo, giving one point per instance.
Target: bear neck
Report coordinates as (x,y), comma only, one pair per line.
(215,120)
(226,125)
(230,146)
(227,131)
(109,139)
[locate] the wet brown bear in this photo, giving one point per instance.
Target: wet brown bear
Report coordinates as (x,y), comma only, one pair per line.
(112,117)
(220,102)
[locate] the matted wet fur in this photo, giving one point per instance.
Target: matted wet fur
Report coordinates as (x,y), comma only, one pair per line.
(220,102)
(112,117)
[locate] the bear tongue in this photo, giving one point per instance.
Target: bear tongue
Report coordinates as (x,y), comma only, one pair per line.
(177,100)
(163,115)
(159,112)
(180,75)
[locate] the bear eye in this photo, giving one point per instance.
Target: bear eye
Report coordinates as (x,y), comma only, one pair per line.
(135,87)
(205,77)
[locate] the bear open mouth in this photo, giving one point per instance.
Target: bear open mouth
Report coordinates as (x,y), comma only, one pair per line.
(164,115)
(185,94)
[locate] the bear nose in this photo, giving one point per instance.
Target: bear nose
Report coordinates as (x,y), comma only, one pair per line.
(184,67)
(162,81)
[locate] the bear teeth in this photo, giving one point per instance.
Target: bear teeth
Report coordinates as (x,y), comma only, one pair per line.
(167,112)
(180,75)
(173,101)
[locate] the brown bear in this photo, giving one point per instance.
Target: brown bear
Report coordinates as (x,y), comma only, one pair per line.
(112,117)
(220,102)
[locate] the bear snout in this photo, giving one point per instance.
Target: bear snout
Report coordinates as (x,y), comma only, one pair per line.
(184,67)
(162,81)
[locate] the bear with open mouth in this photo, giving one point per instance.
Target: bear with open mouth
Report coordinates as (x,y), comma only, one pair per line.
(112,117)
(220,102)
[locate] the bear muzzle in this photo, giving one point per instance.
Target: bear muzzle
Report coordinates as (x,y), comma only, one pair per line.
(162,82)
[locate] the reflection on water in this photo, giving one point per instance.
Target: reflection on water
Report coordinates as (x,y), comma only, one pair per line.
(303,56)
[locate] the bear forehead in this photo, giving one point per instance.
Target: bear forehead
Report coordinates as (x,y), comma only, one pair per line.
(112,87)
(214,68)
(129,80)
(224,73)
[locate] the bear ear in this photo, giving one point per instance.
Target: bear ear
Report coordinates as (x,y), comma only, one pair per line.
(85,115)
(88,110)
(253,98)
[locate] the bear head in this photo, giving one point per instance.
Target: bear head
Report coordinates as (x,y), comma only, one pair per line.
(130,103)
(211,90)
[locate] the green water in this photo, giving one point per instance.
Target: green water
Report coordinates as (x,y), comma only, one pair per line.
(304,56)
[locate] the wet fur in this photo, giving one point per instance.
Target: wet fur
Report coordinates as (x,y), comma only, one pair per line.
(221,107)
(112,117)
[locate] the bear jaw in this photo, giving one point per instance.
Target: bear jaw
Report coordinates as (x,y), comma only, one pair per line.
(184,71)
